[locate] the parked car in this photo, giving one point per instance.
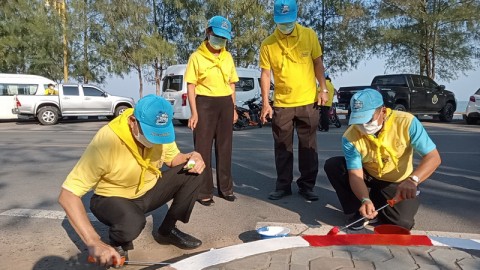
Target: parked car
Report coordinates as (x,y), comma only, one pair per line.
(72,100)
(174,89)
(413,93)
(19,84)
(472,112)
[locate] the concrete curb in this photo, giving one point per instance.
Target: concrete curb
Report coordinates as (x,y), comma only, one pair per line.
(228,254)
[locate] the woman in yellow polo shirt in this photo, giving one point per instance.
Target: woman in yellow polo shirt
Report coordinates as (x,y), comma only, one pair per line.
(211,78)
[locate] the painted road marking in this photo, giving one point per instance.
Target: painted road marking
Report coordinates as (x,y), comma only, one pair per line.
(36,213)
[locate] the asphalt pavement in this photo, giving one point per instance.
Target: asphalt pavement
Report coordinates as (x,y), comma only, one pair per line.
(35,234)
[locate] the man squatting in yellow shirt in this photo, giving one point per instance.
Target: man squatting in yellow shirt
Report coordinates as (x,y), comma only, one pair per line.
(122,165)
(377,164)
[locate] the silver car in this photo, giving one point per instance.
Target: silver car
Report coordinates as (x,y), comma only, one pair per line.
(472,112)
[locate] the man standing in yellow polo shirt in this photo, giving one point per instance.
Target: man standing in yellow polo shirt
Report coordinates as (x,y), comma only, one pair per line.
(122,165)
(293,55)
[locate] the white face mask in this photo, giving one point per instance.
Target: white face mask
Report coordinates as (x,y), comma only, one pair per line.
(141,139)
(216,42)
(370,128)
(286,28)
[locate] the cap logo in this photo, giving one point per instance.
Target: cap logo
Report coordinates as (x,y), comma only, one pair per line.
(162,119)
(357,104)
(224,25)
(285,9)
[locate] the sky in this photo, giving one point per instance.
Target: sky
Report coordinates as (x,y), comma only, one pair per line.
(463,87)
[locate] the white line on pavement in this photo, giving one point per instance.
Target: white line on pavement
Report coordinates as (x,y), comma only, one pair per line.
(36,213)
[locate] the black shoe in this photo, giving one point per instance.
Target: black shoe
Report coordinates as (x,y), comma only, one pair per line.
(278,194)
(308,195)
(208,202)
(179,239)
(360,224)
(230,198)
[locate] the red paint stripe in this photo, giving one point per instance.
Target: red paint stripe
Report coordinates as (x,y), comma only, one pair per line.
(367,239)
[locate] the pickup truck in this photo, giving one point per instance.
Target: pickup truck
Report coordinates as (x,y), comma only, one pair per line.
(417,94)
(72,100)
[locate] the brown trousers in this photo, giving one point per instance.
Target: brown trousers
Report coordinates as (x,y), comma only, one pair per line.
(305,120)
(215,120)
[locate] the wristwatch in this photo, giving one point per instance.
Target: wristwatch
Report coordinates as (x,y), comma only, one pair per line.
(325,90)
(415,179)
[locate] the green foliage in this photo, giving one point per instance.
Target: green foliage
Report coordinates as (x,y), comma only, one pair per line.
(86,39)
(430,37)
(30,39)
(251,22)
(344,29)
(105,37)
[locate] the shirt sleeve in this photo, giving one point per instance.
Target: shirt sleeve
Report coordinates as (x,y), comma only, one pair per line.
(352,156)
(171,151)
(316,49)
(419,138)
(89,169)
(191,75)
(264,58)
(233,76)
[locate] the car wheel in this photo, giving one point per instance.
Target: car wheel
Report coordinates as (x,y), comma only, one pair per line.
(120,109)
(471,120)
(446,114)
(400,107)
(47,115)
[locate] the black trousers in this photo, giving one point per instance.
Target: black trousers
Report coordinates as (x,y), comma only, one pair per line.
(126,217)
(401,214)
(324,122)
(215,123)
(305,120)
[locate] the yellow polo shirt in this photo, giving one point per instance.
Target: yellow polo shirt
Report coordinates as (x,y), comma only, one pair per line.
(211,75)
(331,92)
(290,58)
(402,134)
(113,165)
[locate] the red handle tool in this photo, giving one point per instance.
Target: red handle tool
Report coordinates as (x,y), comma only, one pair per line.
(335,230)
(91,259)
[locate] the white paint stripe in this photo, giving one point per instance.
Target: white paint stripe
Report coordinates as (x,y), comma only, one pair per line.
(227,254)
(36,213)
(455,242)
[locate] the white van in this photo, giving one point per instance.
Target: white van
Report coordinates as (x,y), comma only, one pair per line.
(19,84)
(174,89)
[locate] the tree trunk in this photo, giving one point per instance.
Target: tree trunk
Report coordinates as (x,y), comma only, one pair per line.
(86,73)
(140,80)
(157,76)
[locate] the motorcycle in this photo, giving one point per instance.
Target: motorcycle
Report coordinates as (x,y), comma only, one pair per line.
(332,118)
(250,117)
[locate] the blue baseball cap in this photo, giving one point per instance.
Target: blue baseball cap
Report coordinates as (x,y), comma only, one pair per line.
(221,27)
(285,11)
(363,105)
(155,115)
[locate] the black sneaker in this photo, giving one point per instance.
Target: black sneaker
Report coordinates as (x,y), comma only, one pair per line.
(356,222)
